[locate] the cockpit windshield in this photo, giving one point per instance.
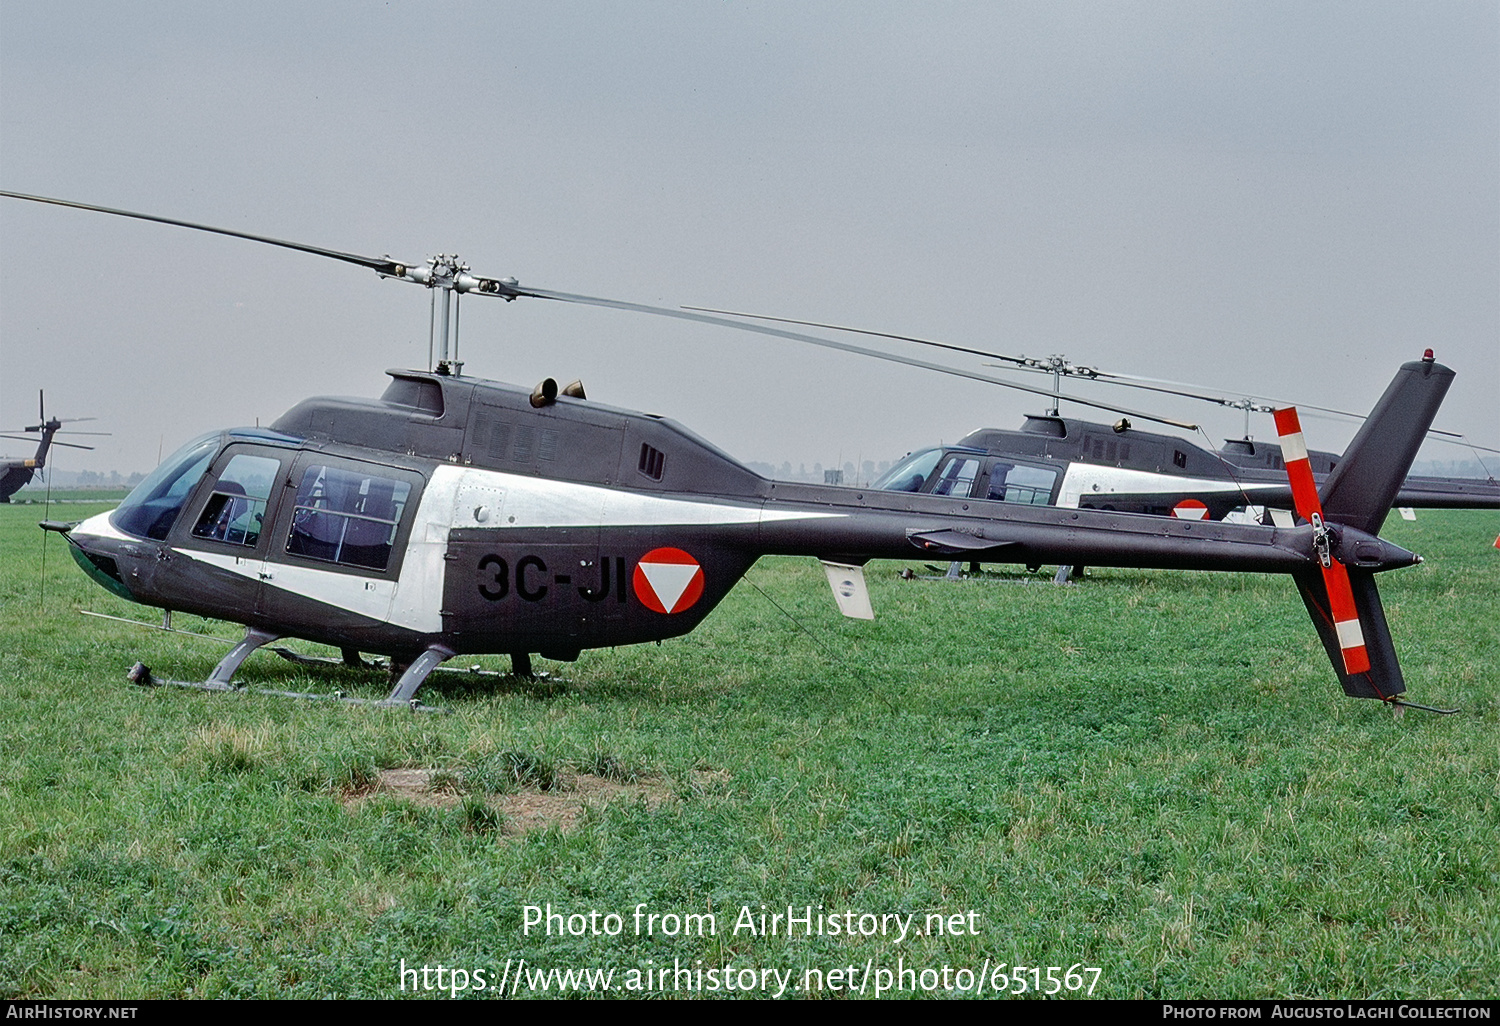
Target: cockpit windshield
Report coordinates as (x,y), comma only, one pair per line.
(910,473)
(151,510)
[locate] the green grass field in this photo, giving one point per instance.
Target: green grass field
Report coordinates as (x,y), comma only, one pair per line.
(1154,775)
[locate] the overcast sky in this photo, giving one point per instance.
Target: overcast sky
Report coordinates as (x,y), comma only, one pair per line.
(1286,199)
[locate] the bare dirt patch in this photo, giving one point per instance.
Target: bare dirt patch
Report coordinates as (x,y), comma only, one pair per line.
(527,811)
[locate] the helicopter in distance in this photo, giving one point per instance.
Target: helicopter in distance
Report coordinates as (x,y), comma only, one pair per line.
(16,474)
(1067,461)
(454,515)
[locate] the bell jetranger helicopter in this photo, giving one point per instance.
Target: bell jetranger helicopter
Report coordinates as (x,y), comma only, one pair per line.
(1067,461)
(454,515)
(17,474)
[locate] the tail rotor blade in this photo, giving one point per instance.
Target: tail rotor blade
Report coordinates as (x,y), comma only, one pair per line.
(1341,605)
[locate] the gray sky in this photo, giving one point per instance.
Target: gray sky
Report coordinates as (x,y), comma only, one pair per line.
(1281,198)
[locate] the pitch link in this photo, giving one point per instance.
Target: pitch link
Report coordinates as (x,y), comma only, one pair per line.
(1321,542)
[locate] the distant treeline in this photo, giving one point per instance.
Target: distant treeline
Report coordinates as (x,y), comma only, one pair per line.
(85,479)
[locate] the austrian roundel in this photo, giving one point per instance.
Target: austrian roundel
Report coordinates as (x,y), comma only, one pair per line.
(668,580)
(1190,509)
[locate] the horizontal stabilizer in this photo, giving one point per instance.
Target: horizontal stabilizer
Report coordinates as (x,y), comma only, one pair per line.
(1383,679)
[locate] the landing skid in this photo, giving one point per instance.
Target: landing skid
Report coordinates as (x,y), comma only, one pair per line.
(403,694)
(412,675)
(360,663)
(351,659)
(141,674)
(165,625)
(988,576)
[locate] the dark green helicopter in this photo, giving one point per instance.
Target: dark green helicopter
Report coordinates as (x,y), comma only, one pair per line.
(454,516)
(17,474)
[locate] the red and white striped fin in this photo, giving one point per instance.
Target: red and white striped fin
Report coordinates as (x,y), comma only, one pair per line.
(1335,578)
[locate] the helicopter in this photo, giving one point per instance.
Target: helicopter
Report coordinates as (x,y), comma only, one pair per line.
(455,515)
(1076,463)
(1065,461)
(17,474)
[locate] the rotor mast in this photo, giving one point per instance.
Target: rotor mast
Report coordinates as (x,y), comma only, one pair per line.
(448,277)
(1057,366)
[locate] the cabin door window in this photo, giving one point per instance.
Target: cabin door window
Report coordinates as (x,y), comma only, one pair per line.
(347,517)
(957,476)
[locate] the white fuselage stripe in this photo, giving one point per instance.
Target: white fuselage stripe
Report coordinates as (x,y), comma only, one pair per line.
(366,596)
(1087,480)
(539,502)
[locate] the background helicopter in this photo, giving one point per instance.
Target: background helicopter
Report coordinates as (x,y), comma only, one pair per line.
(1068,461)
(16,474)
(454,515)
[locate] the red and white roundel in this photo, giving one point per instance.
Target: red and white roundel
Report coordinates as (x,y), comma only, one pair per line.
(1190,509)
(668,580)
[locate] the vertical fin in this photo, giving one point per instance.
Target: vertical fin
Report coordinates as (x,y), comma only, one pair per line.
(1362,488)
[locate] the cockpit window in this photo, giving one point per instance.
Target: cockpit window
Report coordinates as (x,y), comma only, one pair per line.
(909,474)
(151,509)
(237,507)
(347,517)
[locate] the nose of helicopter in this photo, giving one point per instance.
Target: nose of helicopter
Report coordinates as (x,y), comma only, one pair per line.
(95,546)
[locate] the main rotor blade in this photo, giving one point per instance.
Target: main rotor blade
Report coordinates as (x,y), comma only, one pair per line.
(380,265)
(1034,366)
(1019,360)
(36,429)
(1030,365)
(1137,381)
(454,277)
(700,318)
(70,445)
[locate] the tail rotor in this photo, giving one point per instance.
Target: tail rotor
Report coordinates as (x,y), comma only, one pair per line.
(1340,594)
